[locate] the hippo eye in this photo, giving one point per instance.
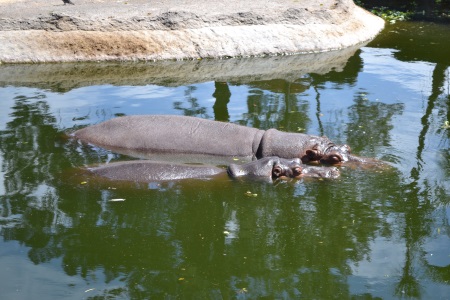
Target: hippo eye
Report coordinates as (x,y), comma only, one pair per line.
(334,159)
(277,171)
(297,171)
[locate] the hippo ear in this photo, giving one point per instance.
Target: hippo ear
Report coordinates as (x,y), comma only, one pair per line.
(234,171)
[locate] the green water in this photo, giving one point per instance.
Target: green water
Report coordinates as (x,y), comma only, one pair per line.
(369,234)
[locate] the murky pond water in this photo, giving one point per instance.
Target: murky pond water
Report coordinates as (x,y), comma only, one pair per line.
(371,233)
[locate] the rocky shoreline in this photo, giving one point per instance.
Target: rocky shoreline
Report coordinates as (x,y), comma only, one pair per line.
(49,31)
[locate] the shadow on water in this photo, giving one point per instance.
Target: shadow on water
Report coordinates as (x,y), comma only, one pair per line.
(369,234)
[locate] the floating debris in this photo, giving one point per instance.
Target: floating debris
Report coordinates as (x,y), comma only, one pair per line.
(117,200)
(250,194)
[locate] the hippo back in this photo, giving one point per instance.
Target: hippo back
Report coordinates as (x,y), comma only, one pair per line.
(173,134)
(148,171)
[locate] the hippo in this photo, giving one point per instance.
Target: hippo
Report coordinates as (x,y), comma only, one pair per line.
(175,135)
(268,168)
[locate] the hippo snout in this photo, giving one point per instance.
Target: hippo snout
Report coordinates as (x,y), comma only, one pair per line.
(321,172)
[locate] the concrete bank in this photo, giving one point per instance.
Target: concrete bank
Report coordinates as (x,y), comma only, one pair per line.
(100,30)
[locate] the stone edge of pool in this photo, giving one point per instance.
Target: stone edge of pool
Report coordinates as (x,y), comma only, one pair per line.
(137,30)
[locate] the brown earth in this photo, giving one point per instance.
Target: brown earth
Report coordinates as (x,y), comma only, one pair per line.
(97,30)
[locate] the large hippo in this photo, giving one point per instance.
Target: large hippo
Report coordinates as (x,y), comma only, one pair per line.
(268,168)
(170,134)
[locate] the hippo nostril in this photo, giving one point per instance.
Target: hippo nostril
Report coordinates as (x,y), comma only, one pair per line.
(297,171)
(277,171)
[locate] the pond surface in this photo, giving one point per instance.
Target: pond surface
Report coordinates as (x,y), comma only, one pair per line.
(369,234)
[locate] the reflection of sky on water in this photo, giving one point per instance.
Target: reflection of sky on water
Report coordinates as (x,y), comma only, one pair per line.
(232,228)
(22,284)
(437,249)
(6,103)
(368,276)
(238,101)
(143,92)
(2,177)
(411,76)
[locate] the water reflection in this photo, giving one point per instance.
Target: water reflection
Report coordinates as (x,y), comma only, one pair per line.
(67,76)
(381,233)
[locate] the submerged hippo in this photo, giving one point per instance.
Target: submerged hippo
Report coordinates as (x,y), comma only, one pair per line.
(171,134)
(268,168)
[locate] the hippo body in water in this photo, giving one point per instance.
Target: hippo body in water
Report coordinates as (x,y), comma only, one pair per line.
(268,168)
(170,134)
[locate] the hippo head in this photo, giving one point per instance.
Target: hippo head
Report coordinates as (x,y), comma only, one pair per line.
(280,168)
(320,172)
(335,155)
(268,167)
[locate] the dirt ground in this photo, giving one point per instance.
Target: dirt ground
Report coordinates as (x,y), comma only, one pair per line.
(93,30)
